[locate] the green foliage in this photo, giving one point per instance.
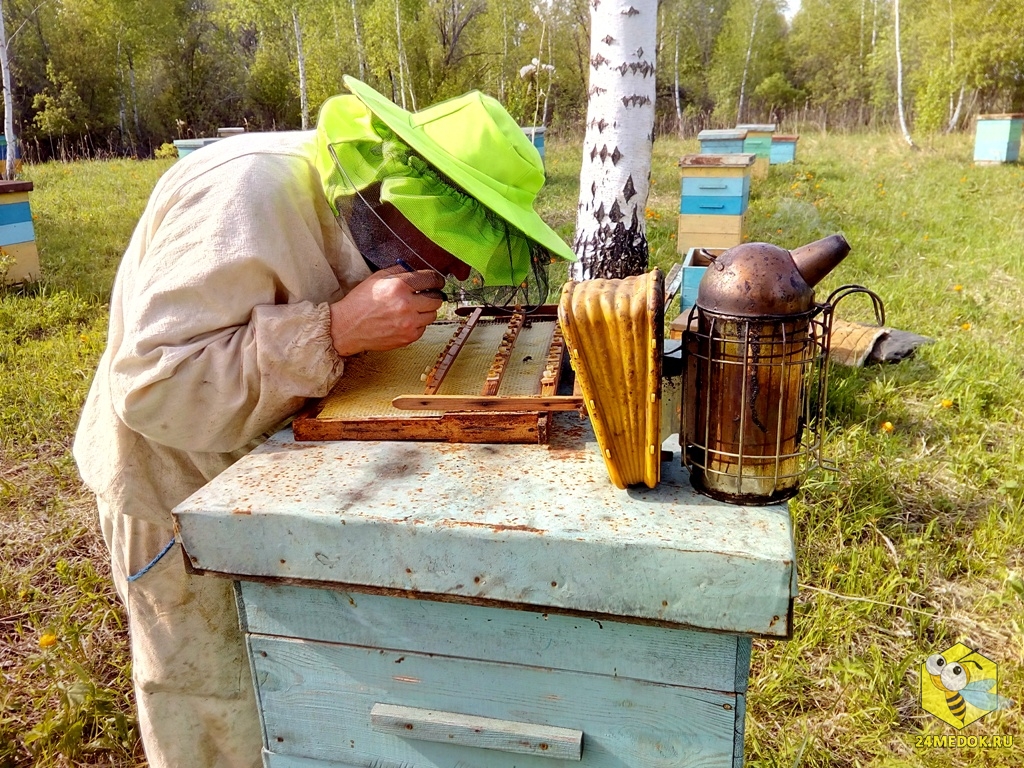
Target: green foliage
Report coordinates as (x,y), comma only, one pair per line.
(166,151)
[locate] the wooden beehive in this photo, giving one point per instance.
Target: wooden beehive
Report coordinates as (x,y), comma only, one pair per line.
(484,379)
(17,233)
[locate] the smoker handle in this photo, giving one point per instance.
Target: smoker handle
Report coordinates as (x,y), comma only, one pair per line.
(843,291)
(480,732)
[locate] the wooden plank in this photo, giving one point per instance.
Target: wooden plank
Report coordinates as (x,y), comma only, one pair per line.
(10,187)
(464,730)
(463,427)
(710,223)
(14,212)
(316,700)
(709,660)
(520,524)
(501,358)
(26,262)
(444,363)
(489,403)
(712,205)
(274,760)
(21,232)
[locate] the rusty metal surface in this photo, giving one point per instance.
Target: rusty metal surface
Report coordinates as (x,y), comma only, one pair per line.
(522,525)
(727,160)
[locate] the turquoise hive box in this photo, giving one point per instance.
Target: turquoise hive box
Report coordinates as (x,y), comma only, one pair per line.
(430,605)
(783,149)
(721,142)
(759,143)
(997,138)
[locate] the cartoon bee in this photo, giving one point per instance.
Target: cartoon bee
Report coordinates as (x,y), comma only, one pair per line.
(953,678)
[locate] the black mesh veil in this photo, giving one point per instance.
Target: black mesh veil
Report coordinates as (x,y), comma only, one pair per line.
(383,248)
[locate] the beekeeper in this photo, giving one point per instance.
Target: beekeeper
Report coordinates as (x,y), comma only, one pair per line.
(260,263)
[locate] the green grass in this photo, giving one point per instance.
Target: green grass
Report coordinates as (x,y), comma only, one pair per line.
(917,542)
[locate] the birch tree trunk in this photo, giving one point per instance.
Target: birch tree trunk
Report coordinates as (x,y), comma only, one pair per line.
(611,233)
(675,90)
(303,92)
(359,43)
(746,63)
(899,77)
(5,66)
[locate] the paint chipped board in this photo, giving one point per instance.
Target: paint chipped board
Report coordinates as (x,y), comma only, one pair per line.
(360,405)
(511,525)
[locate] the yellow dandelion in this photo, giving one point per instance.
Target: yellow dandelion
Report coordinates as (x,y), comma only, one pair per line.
(47,640)
(963,179)
(925,237)
(965,327)
(947,403)
(778,231)
(887,427)
(958,287)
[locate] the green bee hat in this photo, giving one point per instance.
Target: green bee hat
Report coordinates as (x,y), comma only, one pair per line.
(470,142)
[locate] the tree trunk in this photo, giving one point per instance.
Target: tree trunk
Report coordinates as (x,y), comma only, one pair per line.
(5,66)
(401,54)
(899,77)
(675,90)
(746,63)
(611,233)
(303,92)
(359,43)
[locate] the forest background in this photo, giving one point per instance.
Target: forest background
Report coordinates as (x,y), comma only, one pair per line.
(102,78)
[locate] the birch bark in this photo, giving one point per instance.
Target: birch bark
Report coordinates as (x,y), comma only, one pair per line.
(611,233)
(5,66)
(899,77)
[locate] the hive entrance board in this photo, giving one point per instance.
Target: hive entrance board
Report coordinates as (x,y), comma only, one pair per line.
(478,357)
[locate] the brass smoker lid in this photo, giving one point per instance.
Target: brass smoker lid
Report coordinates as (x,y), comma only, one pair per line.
(754,279)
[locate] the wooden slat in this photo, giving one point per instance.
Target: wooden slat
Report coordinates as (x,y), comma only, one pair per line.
(597,645)
(317,698)
(444,363)
(493,382)
(486,403)
(480,732)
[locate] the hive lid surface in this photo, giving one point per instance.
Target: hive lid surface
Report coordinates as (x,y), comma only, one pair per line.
(525,526)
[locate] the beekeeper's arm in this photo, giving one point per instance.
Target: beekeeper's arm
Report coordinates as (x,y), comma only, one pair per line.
(221,340)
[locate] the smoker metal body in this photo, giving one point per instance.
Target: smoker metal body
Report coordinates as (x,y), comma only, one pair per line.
(756,370)
(754,430)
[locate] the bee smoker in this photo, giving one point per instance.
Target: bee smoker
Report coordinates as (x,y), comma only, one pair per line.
(755,376)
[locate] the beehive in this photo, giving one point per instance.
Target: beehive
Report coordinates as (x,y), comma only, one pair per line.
(759,142)
(715,192)
(721,142)
(997,138)
(17,233)
(783,150)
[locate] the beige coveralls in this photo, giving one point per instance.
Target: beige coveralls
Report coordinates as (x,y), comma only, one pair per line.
(219,329)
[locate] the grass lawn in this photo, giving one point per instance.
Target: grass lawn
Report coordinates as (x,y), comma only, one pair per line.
(915,544)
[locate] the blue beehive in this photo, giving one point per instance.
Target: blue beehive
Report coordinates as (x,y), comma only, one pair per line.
(187,146)
(997,138)
(3,155)
(720,142)
(783,150)
(694,265)
(535,133)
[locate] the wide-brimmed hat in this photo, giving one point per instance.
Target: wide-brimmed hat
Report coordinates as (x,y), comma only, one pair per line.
(473,141)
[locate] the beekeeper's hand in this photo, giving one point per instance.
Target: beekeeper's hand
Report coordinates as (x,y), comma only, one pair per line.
(386,311)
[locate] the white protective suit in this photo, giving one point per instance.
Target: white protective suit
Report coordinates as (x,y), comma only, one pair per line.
(219,330)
